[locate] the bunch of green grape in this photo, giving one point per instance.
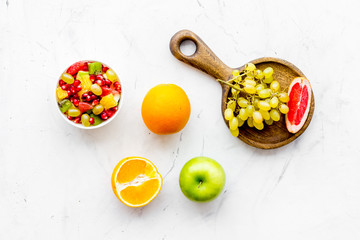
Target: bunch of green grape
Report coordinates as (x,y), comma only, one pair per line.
(255,98)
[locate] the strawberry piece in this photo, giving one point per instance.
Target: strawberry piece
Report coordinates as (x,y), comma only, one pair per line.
(83,106)
(75,68)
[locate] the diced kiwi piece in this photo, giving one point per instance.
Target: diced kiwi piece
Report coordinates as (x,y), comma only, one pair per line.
(97,119)
(95,68)
(65,105)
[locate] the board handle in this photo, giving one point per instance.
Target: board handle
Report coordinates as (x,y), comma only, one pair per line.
(203,58)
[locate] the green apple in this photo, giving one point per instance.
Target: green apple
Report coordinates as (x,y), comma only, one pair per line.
(202,179)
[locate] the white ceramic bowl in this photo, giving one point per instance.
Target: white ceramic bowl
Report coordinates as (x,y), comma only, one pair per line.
(79,125)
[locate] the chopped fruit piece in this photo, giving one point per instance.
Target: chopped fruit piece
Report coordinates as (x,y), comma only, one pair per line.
(75,68)
(98,109)
(106,91)
(61,94)
(83,106)
(96,89)
(85,120)
(74,112)
(68,78)
(65,105)
(95,68)
(97,120)
(108,101)
(111,75)
(84,78)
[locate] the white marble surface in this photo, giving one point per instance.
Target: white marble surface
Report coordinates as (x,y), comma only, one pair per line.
(55,179)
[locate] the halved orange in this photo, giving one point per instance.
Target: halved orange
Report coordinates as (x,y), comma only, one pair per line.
(136,181)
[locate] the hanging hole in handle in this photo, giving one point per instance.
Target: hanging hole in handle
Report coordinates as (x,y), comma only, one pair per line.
(188,47)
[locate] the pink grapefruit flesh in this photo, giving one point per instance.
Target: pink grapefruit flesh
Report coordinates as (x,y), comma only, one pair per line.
(299,104)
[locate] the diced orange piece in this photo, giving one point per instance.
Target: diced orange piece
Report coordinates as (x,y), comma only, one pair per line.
(108,101)
(61,94)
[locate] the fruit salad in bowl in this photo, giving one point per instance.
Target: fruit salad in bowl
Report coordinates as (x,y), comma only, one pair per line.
(88,94)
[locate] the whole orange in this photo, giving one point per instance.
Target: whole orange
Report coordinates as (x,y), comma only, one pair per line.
(165,109)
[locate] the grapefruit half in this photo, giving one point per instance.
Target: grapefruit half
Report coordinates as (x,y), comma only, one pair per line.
(299,104)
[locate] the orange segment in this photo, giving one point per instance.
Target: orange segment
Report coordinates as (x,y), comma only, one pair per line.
(138,195)
(136,181)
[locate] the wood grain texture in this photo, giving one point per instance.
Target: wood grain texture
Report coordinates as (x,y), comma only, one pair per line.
(204,59)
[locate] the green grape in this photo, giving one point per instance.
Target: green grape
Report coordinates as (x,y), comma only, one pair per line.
(259,126)
(233,123)
(241,122)
(283,97)
(250,67)
(250,74)
(235,92)
(243,114)
(235,72)
(85,120)
(284,108)
(238,79)
(265,114)
(96,89)
(250,122)
(228,114)
(259,74)
(268,72)
(111,75)
(267,100)
(250,109)
(231,104)
(98,109)
(274,102)
(269,122)
(256,103)
(265,93)
(250,89)
(235,132)
(238,118)
(275,115)
(268,80)
(242,102)
(74,112)
(68,78)
(251,78)
(259,87)
(249,82)
(257,117)
(275,85)
(264,105)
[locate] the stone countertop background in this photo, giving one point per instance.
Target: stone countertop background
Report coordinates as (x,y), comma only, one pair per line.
(55,179)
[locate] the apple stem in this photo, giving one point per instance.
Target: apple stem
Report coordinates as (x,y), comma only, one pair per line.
(200,184)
